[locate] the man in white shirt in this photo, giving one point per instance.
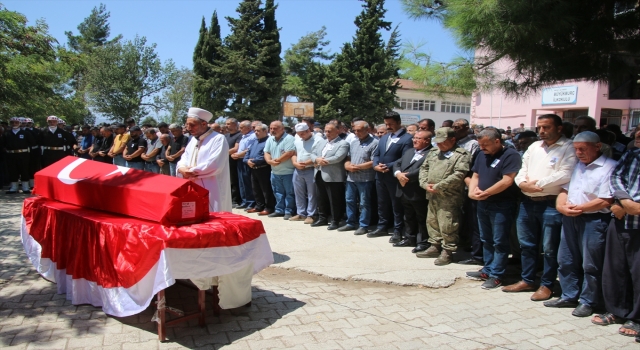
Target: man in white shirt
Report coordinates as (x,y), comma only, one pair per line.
(584,203)
(303,182)
(546,167)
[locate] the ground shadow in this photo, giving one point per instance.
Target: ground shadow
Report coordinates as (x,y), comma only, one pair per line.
(232,325)
(280,258)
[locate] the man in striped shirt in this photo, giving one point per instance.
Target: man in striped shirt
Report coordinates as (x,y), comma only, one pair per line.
(621,275)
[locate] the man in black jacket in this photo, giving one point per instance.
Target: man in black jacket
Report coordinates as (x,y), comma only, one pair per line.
(17,143)
(390,149)
(413,197)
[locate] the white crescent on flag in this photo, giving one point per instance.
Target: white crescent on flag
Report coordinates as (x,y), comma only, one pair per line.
(65,174)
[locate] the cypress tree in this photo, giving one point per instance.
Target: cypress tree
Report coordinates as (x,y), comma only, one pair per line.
(199,71)
(213,59)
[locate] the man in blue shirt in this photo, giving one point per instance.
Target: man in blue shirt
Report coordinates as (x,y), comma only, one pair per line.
(244,174)
(265,202)
(278,152)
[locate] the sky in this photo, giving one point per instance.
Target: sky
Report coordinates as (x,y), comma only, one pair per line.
(174,25)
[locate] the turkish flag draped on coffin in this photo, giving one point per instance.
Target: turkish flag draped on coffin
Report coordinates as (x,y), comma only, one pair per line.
(121,190)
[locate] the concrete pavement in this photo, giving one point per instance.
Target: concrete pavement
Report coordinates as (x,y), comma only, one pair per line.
(299,310)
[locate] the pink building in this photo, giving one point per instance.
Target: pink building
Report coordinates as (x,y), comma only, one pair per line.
(568,100)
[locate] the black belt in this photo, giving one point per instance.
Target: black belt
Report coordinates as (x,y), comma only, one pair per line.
(53,148)
(543,198)
(261,166)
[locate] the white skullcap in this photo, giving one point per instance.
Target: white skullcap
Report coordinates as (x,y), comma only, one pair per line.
(302,127)
(200,114)
(52,117)
(587,136)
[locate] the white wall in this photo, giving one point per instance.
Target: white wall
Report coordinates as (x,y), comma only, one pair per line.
(437,116)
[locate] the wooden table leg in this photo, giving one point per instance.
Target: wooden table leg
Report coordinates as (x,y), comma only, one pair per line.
(201,307)
(161,316)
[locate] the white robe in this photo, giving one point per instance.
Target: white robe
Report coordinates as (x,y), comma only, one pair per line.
(212,168)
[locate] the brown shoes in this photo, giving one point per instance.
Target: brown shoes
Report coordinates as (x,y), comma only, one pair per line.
(298,218)
(521,286)
(309,220)
(264,212)
(543,293)
(445,258)
(252,210)
(432,252)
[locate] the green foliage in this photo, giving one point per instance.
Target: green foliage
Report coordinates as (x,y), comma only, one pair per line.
(26,56)
(176,100)
(149,120)
(547,41)
(125,77)
(252,65)
(298,61)
(209,90)
(361,81)
(94,31)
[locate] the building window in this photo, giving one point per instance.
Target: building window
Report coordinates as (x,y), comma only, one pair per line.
(455,107)
(634,116)
(571,115)
(610,116)
(416,105)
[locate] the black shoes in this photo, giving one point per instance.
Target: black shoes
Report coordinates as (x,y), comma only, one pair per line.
(419,248)
(320,222)
(491,283)
(333,226)
(378,233)
(346,228)
(395,238)
(361,231)
(560,303)
(471,261)
(582,311)
(405,243)
(275,215)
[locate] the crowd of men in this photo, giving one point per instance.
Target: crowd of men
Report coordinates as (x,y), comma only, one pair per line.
(566,195)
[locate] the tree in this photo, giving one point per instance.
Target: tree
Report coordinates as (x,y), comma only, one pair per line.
(546,41)
(125,78)
(94,31)
(456,77)
(297,62)
(177,99)
(209,87)
(26,54)
(361,81)
(252,65)
(149,120)
(268,103)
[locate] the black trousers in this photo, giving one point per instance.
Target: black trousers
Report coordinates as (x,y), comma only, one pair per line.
(621,273)
(235,187)
(415,220)
(262,191)
(469,228)
(331,199)
(49,157)
(34,162)
(18,166)
(390,210)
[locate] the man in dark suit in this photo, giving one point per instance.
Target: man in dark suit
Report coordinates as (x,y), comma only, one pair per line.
(413,197)
(391,147)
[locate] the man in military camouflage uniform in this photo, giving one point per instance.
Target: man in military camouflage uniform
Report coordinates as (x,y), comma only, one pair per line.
(442,176)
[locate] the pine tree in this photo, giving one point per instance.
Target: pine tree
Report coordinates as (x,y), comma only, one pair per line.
(268,103)
(361,82)
(241,69)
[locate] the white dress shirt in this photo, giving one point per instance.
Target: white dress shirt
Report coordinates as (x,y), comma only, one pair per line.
(591,181)
(551,166)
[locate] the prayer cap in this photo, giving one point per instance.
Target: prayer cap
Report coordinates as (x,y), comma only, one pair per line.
(587,136)
(200,114)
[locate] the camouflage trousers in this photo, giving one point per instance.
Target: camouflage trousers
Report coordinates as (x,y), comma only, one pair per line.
(443,221)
